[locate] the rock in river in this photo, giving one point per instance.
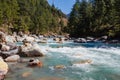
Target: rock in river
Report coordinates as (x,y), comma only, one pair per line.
(3,68)
(59,67)
(32,51)
(35,62)
(13,58)
(88,61)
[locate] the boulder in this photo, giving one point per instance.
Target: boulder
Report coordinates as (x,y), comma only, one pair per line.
(27,44)
(11,45)
(59,67)
(59,40)
(6,54)
(35,62)
(1,59)
(88,61)
(20,33)
(5,47)
(29,39)
(26,74)
(89,38)
(62,39)
(30,51)
(11,39)
(3,68)
(2,37)
(56,39)
(42,41)
(13,58)
(19,39)
(104,37)
(80,40)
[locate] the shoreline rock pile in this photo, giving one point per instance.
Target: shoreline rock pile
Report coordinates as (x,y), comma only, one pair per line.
(10,52)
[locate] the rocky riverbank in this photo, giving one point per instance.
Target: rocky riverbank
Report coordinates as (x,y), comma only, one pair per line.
(11,52)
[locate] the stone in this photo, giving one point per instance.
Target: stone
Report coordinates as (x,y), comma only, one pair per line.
(13,58)
(88,61)
(56,39)
(19,39)
(6,54)
(5,47)
(80,40)
(59,40)
(26,74)
(40,64)
(29,39)
(3,68)
(42,41)
(2,37)
(11,45)
(59,67)
(89,38)
(10,38)
(30,51)
(35,62)
(2,77)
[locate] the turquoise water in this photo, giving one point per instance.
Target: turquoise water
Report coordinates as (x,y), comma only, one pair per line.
(105,63)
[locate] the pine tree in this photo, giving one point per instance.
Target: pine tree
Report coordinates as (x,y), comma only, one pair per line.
(74,18)
(36,16)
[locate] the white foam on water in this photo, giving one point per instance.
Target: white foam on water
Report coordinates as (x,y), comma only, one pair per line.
(84,67)
(105,56)
(78,73)
(99,56)
(51,68)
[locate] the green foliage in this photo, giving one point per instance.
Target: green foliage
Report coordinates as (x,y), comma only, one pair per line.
(95,18)
(36,16)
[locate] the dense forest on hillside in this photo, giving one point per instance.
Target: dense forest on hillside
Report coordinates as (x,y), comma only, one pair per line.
(36,16)
(95,18)
(87,18)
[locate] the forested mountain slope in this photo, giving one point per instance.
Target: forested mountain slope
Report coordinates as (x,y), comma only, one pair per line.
(35,16)
(95,18)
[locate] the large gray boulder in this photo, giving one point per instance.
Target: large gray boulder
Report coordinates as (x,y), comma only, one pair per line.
(30,51)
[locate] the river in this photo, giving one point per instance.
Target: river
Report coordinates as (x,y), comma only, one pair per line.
(105,63)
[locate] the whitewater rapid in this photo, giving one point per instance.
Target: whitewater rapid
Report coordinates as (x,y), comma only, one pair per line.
(104,62)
